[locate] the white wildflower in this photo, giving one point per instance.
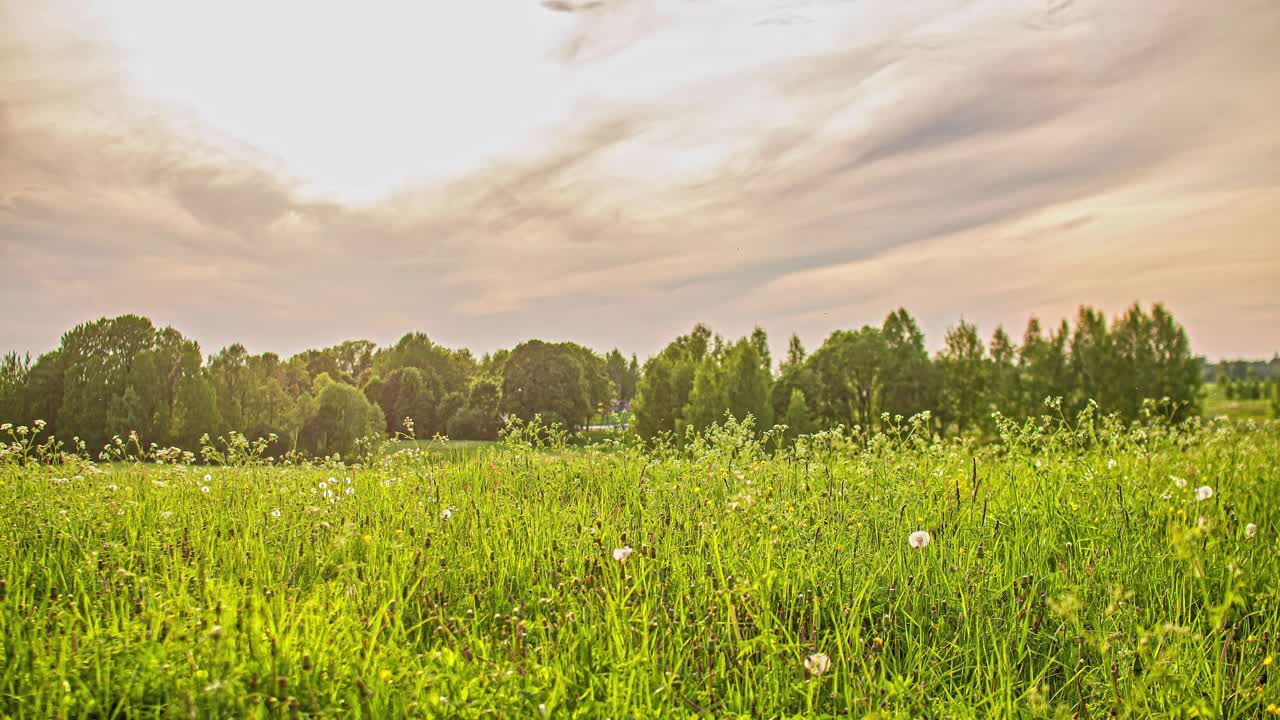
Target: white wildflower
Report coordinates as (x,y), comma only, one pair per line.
(1179,482)
(446,514)
(817,664)
(276,512)
(919,539)
(621,554)
(1111,464)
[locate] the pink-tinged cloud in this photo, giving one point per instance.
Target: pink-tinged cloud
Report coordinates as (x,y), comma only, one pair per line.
(804,166)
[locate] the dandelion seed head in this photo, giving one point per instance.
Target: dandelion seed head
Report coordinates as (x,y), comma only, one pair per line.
(920,539)
(276,513)
(1204,492)
(621,554)
(446,514)
(204,488)
(208,478)
(1250,530)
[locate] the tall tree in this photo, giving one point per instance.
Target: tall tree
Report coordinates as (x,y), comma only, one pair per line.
(909,384)
(547,380)
(229,372)
(664,387)
(1042,365)
(623,375)
(1176,375)
(965,376)
(15,370)
(1006,385)
(1092,360)
(339,416)
(849,372)
(798,419)
(760,341)
(195,411)
(96,359)
(795,353)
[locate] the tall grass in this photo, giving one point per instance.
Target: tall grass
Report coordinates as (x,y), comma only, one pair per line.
(1071,571)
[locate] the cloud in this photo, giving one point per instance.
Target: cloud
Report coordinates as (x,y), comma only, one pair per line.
(985,159)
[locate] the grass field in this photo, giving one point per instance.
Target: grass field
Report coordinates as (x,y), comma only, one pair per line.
(1215,404)
(1066,573)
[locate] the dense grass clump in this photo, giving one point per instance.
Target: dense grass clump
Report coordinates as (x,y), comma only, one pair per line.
(1086,570)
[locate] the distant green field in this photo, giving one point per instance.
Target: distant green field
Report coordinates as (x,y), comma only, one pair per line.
(1099,573)
(1215,405)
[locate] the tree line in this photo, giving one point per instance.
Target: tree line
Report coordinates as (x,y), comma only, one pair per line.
(123,374)
(868,378)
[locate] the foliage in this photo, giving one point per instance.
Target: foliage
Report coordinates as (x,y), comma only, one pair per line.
(122,375)
(1081,568)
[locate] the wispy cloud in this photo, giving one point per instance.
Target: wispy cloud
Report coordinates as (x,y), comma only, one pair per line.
(832,161)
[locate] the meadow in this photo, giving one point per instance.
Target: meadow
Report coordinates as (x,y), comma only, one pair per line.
(1069,569)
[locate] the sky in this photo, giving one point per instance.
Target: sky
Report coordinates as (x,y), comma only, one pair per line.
(292,174)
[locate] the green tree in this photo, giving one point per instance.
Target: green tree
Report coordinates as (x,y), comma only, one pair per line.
(965,376)
(708,398)
(15,370)
(623,375)
(849,374)
(547,380)
(798,419)
(417,396)
(1006,382)
(1092,360)
(760,341)
(478,419)
(748,381)
(909,384)
(96,359)
(664,386)
(1177,374)
(1043,368)
(195,411)
(795,354)
(229,372)
(339,416)
(45,388)
(454,368)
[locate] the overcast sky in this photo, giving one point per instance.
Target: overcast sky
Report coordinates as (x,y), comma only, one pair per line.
(292,174)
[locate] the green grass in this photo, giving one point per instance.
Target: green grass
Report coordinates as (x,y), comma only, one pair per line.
(1073,573)
(1216,405)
